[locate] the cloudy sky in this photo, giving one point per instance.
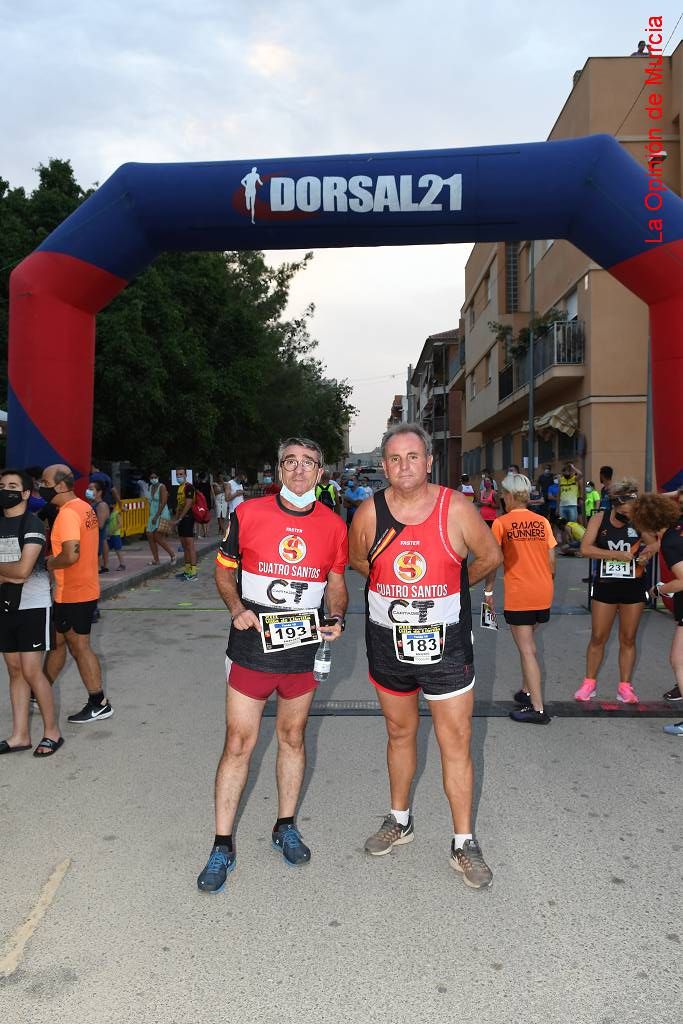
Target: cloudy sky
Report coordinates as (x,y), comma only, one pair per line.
(103,83)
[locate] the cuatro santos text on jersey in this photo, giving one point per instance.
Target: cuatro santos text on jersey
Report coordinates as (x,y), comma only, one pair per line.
(418,599)
(283,558)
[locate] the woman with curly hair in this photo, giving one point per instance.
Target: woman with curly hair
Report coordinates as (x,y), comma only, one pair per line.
(619,587)
(661,516)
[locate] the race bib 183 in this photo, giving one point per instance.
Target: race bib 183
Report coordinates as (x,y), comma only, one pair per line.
(419,645)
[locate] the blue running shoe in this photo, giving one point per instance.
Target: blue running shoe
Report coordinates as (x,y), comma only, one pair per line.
(288,840)
(674,730)
(219,865)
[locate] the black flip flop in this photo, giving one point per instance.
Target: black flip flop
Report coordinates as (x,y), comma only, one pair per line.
(51,745)
(6,749)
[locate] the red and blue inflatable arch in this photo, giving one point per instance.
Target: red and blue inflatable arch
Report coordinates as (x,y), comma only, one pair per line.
(588,191)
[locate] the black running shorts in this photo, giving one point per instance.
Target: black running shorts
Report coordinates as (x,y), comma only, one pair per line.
(186,526)
(76,615)
(526,618)
(30,630)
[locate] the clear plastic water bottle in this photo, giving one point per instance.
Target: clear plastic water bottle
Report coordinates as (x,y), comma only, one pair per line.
(323,662)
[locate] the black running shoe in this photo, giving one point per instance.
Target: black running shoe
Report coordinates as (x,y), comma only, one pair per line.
(522,698)
(91,713)
(673,695)
(287,839)
(219,865)
(530,714)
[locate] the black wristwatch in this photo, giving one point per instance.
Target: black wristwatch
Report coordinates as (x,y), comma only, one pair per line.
(339,619)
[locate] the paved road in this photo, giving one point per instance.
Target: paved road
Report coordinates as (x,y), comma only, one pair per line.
(580,822)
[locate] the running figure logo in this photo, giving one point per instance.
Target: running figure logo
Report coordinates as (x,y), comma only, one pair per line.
(249,183)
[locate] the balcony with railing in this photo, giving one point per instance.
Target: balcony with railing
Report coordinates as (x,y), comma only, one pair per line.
(558,353)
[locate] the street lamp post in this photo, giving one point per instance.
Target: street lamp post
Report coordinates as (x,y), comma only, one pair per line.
(532,303)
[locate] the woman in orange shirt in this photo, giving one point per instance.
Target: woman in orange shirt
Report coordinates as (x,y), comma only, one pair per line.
(528,544)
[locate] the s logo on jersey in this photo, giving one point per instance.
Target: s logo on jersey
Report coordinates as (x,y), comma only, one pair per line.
(292,549)
(410,566)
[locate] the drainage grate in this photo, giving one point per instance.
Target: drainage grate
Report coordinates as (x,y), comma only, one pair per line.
(492,709)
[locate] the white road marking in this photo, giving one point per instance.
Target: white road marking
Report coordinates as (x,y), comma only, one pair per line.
(18,940)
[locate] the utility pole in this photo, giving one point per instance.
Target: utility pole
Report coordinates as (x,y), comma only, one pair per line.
(409,395)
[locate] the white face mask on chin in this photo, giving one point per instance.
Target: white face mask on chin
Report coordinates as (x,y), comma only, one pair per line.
(299,500)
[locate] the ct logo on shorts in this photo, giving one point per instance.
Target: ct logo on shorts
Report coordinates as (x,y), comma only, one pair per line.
(292,549)
(410,566)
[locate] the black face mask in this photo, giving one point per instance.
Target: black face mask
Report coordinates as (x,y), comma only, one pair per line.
(47,493)
(10,499)
(621,517)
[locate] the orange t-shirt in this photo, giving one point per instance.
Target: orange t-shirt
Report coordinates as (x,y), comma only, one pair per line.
(78,582)
(525,538)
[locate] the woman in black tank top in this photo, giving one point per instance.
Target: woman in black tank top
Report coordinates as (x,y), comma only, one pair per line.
(619,588)
(663,517)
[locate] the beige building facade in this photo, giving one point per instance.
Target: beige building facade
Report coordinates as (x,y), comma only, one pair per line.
(591,350)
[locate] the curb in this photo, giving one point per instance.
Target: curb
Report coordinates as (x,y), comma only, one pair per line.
(150,573)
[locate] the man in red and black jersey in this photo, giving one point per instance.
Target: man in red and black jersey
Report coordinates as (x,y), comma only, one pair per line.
(412,541)
(281,561)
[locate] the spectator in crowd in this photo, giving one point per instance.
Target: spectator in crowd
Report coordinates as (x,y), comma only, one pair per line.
(220,503)
(465,487)
(488,500)
(642,51)
(336,483)
(114,538)
(658,514)
(619,588)
(354,496)
(203,484)
(512,471)
(591,499)
(606,474)
(74,541)
(109,492)
(325,491)
(159,519)
(181,500)
(568,536)
(35,502)
(94,494)
(365,484)
(569,492)
(544,482)
(527,543)
(26,627)
(271,486)
(487,475)
(552,498)
(234,492)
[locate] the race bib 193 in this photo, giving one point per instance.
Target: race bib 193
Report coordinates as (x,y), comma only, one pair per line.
(281,631)
(419,645)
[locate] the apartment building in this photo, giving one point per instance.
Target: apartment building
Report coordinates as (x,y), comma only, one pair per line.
(437,385)
(591,345)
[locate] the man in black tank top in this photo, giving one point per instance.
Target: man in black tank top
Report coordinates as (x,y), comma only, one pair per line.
(419,631)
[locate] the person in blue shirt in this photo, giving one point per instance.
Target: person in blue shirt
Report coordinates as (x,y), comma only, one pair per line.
(35,502)
(354,495)
(553,497)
